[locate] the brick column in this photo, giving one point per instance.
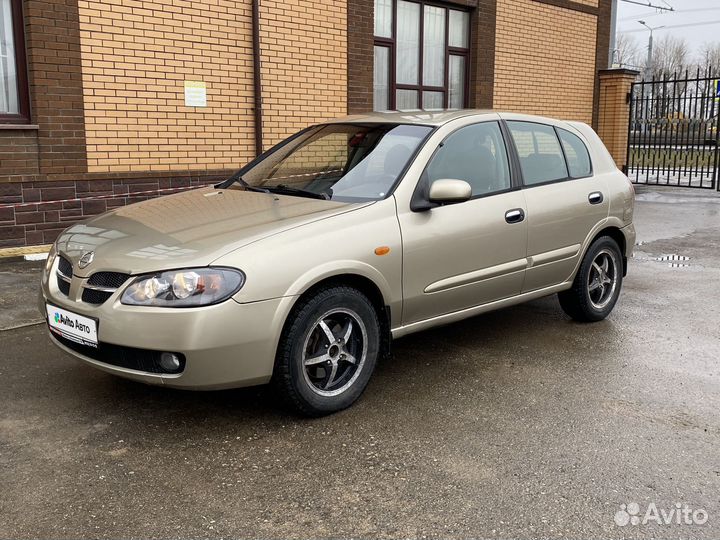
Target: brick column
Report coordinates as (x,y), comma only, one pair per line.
(614,111)
(360,55)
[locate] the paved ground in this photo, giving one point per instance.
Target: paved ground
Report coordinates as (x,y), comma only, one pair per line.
(19,287)
(516,424)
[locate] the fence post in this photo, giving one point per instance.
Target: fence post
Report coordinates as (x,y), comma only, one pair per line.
(715,110)
(614,111)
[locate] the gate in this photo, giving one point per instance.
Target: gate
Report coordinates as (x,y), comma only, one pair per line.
(674,130)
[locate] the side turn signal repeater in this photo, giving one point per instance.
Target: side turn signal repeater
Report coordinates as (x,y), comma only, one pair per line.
(382,250)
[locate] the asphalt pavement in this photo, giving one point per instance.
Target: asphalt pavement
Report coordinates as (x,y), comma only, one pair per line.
(515,424)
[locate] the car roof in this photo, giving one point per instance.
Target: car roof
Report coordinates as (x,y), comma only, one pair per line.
(436,117)
(420,117)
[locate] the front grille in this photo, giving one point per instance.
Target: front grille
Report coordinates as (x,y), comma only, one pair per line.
(102,285)
(92,296)
(125,357)
(64,275)
(65,267)
(63,286)
(108,279)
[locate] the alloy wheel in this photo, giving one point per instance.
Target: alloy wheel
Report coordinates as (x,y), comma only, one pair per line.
(602,279)
(334,352)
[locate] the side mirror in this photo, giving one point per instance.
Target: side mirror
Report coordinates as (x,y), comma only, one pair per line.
(448,191)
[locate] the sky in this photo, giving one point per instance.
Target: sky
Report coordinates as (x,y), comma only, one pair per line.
(685,19)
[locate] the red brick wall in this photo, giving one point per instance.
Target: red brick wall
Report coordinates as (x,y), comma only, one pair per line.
(53,55)
(40,210)
(48,162)
(53,50)
(360,27)
(19,153)
(482,54)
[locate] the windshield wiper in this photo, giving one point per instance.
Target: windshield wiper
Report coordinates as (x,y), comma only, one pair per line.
(287,190)
(238,179)
(280,188)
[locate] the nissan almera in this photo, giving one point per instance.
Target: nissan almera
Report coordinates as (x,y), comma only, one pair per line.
(301,268)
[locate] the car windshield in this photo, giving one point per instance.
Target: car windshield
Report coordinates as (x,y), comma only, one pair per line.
(340,162)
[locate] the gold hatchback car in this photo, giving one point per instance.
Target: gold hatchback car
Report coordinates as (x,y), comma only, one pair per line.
(301,268)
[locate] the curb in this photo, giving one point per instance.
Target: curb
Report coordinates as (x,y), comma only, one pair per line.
(27,253)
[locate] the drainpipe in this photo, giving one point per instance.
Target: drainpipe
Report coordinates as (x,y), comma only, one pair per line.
(257,81)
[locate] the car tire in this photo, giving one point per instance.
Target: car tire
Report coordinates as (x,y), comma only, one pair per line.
(328,351)
(597,285)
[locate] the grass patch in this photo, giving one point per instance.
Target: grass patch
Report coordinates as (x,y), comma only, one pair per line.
(672,158)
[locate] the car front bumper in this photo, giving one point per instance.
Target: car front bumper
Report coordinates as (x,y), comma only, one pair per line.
(227,345)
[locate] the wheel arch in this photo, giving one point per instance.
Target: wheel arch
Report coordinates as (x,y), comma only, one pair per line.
(616,234)
(366,286)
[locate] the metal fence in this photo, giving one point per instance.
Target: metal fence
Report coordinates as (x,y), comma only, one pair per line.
(673,131)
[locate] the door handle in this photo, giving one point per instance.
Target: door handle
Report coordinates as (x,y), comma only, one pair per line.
(516,215)
(595,197)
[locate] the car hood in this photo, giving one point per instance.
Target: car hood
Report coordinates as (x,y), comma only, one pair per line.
(192,228)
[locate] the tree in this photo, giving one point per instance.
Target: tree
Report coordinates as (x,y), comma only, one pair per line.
(708,63)
(627,51)
(708,58)
(670,55)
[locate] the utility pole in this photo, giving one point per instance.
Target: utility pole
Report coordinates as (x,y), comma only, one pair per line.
(648,65)
(613,33)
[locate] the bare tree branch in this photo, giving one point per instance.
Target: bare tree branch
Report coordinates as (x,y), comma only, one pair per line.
(708,58)
(627,51)
(671,54)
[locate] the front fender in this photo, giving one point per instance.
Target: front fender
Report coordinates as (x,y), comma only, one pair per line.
(339,268)
(288,264)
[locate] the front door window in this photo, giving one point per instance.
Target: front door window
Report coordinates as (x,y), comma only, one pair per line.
(475,154)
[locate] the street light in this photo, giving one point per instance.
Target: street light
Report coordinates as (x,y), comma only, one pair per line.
(650,42)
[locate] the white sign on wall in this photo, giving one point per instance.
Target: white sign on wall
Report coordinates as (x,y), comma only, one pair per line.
(195,94)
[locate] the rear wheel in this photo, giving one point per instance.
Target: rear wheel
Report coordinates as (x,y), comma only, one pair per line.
(597,284)
(328,351)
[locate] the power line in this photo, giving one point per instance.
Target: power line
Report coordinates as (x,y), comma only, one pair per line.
(674,26)
(650,5)
(655,14)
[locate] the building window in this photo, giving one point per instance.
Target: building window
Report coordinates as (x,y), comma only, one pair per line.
(421,55)
(14,105)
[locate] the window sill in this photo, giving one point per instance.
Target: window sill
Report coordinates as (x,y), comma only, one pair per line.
(21,127)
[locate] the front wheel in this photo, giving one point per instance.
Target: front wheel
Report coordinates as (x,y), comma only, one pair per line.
(328,351)
(596,287)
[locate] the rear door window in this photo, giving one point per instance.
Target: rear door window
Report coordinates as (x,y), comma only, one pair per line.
(541,157)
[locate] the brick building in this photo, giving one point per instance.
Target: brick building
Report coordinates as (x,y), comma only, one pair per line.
(93,93)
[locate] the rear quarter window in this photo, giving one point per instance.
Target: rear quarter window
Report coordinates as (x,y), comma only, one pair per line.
(576,153)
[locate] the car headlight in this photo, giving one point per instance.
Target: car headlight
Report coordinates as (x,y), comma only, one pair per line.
(189,287)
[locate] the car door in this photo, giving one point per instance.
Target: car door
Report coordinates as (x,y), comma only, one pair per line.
(457,256)
(564,200)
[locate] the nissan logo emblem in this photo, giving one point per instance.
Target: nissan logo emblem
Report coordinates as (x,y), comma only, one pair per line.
(86,259)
